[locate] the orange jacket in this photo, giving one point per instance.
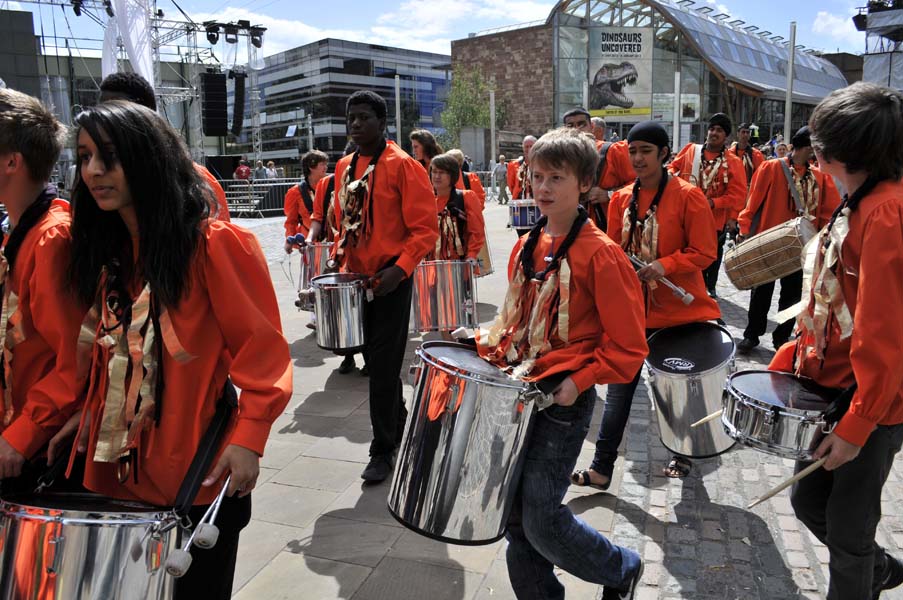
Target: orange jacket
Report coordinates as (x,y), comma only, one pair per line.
(222,205)
(297,217)
(320,199)
(42,371)
(770,194)
(228,321)
(404,213)
(685,247)
(757,158)
(475,186)
(607,332)
(618,170)
(513,182)
(728,201)
(872,257)
(475,234)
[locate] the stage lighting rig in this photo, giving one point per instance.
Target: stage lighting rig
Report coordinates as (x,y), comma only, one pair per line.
(77,7)
(212,32)
(231,34)
(256,34)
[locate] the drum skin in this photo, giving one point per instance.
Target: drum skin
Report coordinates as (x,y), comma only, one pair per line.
(464,441)
(444,296)
(58,546)
(770,255)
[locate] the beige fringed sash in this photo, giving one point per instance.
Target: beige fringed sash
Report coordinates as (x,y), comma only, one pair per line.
(12,334)
(449,244)
(524,176)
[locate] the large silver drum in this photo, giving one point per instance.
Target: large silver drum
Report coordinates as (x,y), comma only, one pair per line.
(444,297)
(313,263)
(460,458)
(688,366)
(84,546)
(340,299)
(778,413)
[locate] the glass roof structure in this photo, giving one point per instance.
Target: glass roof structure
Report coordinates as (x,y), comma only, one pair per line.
(737,52)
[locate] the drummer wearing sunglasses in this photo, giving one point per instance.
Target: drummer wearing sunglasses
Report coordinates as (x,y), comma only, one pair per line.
(572,318)
(851,334)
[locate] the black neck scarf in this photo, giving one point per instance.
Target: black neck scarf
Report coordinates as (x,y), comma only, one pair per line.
(29,219)
(526,255)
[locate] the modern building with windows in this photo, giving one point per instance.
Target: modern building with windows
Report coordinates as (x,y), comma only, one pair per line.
(632,60)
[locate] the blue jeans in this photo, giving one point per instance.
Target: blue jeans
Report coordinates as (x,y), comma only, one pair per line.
(615,413)
(542,532)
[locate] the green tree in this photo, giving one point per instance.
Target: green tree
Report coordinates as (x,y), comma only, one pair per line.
(467,105)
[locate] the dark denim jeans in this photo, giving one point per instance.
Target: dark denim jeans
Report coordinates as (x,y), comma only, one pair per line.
(542,532)
(842,508)
(615,413)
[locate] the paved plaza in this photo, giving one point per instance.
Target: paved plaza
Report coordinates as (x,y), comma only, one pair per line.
(318,533)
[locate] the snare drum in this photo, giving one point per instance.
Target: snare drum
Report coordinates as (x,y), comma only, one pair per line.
(79,545)
(460,459)
(313,263)
(445,296)
(688,366)
(339,299)
(778,413)
(524,214)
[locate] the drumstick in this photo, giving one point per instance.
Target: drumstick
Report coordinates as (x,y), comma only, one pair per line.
(781,487)
(708,418)
(681,293)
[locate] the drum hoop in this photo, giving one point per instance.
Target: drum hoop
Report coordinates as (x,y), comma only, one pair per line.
(18,512)
(457,372)
(351,283)
(802,413)
(726,362)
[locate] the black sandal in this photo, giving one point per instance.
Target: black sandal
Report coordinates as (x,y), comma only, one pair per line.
(678,468)
(582,479)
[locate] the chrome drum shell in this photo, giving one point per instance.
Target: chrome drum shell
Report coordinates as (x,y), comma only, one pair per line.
(313,264)
(339,305)
(444,296)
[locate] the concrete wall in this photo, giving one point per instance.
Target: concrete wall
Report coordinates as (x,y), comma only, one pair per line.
(19,52)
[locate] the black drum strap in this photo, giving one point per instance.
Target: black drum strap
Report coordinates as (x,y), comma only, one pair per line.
(840,405)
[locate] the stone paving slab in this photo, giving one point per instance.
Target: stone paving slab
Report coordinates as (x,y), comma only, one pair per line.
(318,533)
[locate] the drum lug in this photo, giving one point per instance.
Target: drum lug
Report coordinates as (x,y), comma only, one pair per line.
(414,372)
(56,543)
(541,400)
(828,429)
(768,424)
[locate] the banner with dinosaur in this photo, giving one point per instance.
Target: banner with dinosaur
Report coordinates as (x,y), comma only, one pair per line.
(620,69)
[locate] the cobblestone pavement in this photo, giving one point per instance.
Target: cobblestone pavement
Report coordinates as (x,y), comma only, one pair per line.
(318,533)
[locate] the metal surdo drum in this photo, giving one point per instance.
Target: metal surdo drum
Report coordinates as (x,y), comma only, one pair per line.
(688,366)
(313,263)
(778,413)
(339,304)
(444,297)
(460,458)
(79,545)
(524,213)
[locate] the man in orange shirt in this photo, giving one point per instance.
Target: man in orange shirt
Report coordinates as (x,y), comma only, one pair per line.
(387,225)
(40,318)
(851,333)
(720,176)
(771,203)
(752,158)
(590,334)
(299,200)
(519,172)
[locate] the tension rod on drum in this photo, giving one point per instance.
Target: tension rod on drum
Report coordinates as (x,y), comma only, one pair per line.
(681,293)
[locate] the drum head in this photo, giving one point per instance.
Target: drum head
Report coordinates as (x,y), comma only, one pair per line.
(781,389)
(79,502)
(691,348)
(464,359)
(337,279)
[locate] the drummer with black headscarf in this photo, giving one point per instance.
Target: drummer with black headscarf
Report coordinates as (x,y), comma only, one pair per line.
(667,224)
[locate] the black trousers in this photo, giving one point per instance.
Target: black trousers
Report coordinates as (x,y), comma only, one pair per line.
(386,329)
(212,570)
(710,274)
(760,302)
(842,508)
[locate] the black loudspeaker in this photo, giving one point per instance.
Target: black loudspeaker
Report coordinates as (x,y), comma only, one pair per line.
(238,108)
(214,120)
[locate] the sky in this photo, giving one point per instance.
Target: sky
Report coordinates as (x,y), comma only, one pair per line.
(430,25)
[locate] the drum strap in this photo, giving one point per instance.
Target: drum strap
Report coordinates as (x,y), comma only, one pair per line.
(840,405)
(794,192)
(603,161)
(465,179)
(304,188)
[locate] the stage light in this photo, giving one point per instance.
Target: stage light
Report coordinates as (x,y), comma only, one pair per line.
(77,7)
(212,33)
(108,6)
(257,36)
(231,34)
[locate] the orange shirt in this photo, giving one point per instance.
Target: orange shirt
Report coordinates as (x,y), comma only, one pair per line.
(757,158)
(228,320)
(297,217)
(685,247)
(618,170)
(728,200)
(42,370)
(513,182)
(222,205)
(320,199)
(475,234)
(404,217)
(607,331)
(475,186)
(770,194)
(872,257)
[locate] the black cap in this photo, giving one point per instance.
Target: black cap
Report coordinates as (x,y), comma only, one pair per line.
(722,121)
(743,126)
(802,138)
(651,132)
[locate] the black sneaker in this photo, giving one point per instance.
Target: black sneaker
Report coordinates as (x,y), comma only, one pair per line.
(712,293)
(746,345)
(365,370)
(610,593)
(348,365)
(893,576)
(379,467)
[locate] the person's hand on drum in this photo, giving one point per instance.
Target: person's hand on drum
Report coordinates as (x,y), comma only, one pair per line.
(385,282)
(289,246)
(314,234)
(243,464)
(566,393)
(58,442)
(10,460)
(651,272)
(838,450)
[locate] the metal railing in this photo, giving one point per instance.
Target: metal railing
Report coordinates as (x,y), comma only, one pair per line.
(256,197)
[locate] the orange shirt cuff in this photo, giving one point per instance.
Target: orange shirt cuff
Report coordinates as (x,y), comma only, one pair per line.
(854,429)
(584,379)
(406,263)
(251,434)
(26,436)
(668,263)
